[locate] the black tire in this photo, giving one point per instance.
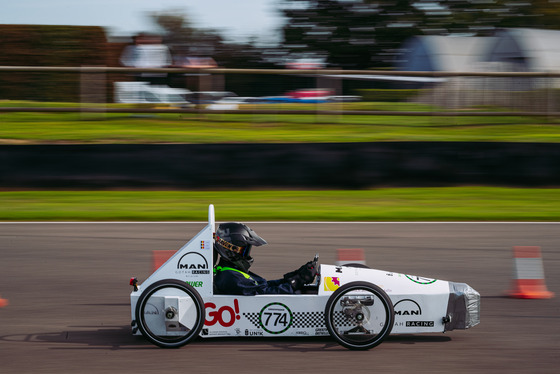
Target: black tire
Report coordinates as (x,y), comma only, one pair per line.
(156,317)
(356,265)
(359,337)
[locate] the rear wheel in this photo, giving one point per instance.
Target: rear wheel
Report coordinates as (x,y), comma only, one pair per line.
(359,315)
(170,313)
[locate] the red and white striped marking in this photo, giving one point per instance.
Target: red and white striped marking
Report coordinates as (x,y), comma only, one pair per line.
(350,256)
(528,276)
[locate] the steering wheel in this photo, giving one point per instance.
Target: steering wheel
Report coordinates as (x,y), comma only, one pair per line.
(315,259)
(314,265)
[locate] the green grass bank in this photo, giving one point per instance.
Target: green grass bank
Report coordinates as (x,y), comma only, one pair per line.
(392,204)
(111,128)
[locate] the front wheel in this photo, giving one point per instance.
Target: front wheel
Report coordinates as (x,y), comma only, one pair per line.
(359,315)
(170,313)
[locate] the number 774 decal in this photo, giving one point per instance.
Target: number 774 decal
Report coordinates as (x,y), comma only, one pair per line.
(275,318)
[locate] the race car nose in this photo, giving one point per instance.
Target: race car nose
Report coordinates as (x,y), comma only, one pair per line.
(463,308)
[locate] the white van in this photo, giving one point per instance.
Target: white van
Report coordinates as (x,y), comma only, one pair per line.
(144,93)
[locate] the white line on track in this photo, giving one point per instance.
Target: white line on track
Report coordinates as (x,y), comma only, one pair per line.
(287,222)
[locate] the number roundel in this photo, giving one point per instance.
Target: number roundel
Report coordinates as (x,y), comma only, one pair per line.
(275,318)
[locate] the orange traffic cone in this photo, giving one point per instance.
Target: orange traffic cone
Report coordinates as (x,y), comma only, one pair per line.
(160,257)
(350,256)
(528,278)
(3,302)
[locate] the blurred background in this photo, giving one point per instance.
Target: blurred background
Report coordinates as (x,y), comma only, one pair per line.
(276,110)
(401,72)
(391,39)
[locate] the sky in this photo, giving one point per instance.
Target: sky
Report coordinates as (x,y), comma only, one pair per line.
(234,18)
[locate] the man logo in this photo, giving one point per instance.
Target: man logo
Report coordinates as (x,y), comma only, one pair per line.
(193,263)
(407,307)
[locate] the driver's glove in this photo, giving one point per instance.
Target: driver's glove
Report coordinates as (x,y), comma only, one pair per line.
(308,272)
(304,275)
(290,275)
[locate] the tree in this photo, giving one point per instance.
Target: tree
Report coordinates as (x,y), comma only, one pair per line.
(185,40)
(483,17)
(362,34)
(349,34)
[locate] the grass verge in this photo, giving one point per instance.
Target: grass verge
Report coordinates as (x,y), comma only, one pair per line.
(392,204)
(49,128)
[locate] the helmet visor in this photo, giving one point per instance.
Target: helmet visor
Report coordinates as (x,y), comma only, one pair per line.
(241,250)
(246,251)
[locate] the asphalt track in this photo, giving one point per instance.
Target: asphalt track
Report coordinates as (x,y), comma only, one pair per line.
(68,312)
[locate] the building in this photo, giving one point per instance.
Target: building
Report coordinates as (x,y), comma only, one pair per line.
(509,50)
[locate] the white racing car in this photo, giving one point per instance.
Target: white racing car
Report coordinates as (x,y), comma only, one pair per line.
(355,305)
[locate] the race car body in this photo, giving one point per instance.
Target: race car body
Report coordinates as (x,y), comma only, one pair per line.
(357,306)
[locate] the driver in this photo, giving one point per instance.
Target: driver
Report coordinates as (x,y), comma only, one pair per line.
(233,241)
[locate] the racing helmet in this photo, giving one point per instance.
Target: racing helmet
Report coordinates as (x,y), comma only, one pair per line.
(234,240)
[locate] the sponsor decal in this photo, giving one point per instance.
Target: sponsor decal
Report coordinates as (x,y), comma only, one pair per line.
(407,307)
(195,283)
(208,332)
(331,283)
(275,318)
(419,323)
(253,332)
(225,316)
(193,263)
(420,280)
(338,269)
(321,331)
(303,333)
